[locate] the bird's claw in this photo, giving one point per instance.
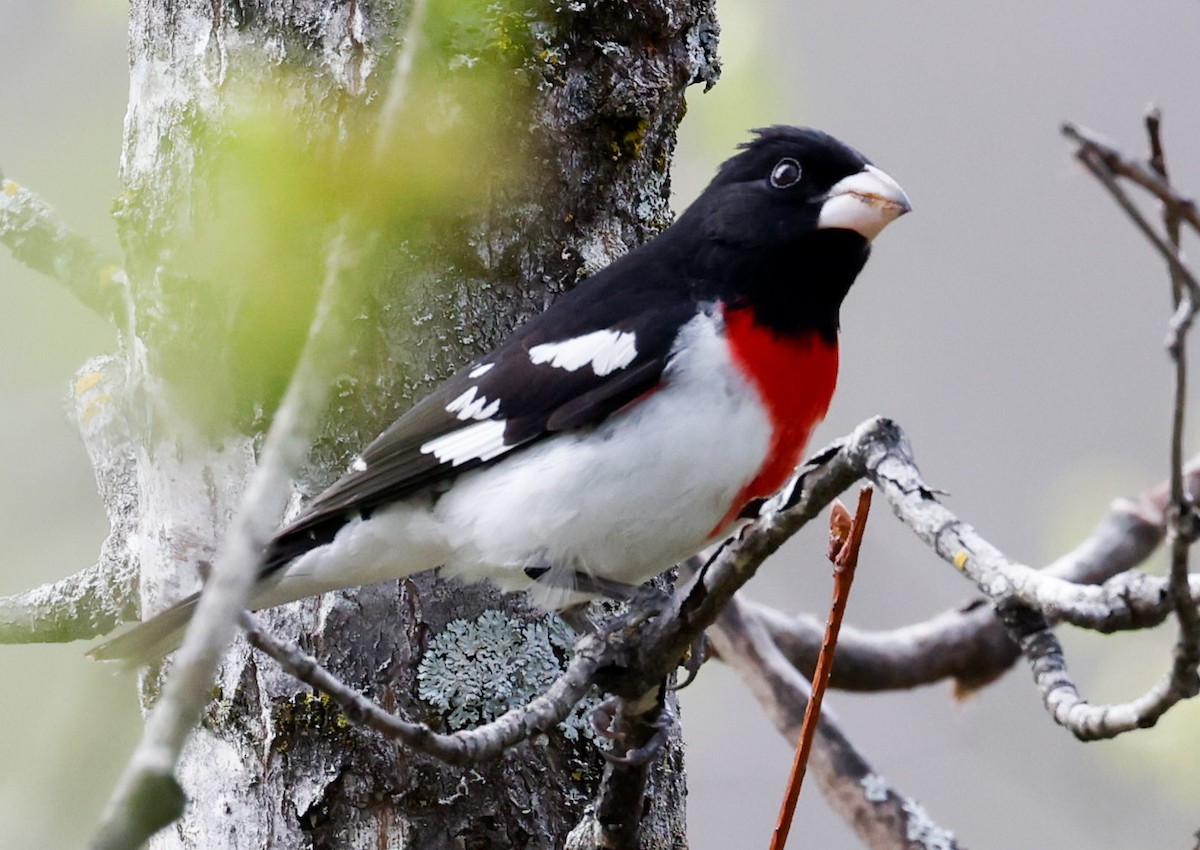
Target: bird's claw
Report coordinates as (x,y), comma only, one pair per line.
(693,661)
(640,755)
(604,718)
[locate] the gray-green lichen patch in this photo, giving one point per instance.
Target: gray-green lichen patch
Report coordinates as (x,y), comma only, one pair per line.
(475,670)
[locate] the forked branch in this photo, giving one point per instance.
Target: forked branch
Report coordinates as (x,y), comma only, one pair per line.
(1109,165)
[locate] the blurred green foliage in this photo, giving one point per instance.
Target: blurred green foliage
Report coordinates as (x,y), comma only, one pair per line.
(286,174)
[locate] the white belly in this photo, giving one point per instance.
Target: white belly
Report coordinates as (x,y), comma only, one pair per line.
(627,499)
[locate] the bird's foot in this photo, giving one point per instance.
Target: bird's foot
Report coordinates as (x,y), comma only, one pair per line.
(605,720)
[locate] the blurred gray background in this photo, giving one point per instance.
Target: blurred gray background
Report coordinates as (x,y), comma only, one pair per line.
(1012,323)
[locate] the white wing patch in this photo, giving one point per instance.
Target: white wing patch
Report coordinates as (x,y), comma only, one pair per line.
(480,370)
(605,351)
(467,406)
(479,441)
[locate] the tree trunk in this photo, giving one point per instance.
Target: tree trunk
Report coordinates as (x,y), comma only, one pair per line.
(593,94)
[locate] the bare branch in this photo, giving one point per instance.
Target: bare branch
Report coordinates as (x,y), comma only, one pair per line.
(883,817)
(968,643)
(1061,697)
(1025,599)
(464,747)
(78,607)
(879,451)
(36,237)
(1170,212)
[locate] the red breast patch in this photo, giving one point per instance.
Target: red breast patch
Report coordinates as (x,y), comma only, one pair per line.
(795,377)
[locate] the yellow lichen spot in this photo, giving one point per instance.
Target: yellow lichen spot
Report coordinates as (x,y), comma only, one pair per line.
(94,407)
(86,381)
(109,273)
(960,560)
(11,188)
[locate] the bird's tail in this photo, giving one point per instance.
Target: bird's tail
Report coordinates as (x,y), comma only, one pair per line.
(147,642)
(399,541)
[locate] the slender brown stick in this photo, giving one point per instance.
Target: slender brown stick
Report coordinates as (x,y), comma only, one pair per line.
(845,539)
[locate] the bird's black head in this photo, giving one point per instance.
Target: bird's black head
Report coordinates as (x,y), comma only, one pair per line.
(786,226)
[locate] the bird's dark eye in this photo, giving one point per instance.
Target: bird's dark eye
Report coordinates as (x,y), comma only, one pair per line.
(785,173)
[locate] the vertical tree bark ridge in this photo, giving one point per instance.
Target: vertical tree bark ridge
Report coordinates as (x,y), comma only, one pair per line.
(274,765)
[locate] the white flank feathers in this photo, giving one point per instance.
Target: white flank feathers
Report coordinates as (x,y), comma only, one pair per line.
(606,351)
(480,370)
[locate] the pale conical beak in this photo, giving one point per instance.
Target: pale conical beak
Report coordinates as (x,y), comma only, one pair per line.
(865,202)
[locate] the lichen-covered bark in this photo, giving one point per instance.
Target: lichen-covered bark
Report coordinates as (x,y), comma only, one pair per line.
(596,94)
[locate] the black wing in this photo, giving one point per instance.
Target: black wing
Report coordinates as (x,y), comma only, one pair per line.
(521,392)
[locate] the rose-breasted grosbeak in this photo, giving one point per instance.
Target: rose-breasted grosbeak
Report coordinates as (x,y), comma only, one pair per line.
(626,427)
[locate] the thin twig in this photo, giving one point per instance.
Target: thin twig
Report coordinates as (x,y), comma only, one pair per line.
(1183,681)
(1182,525)
(1170,212)
(465,747)
(1099,169)
(846,535)
(1147,178)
